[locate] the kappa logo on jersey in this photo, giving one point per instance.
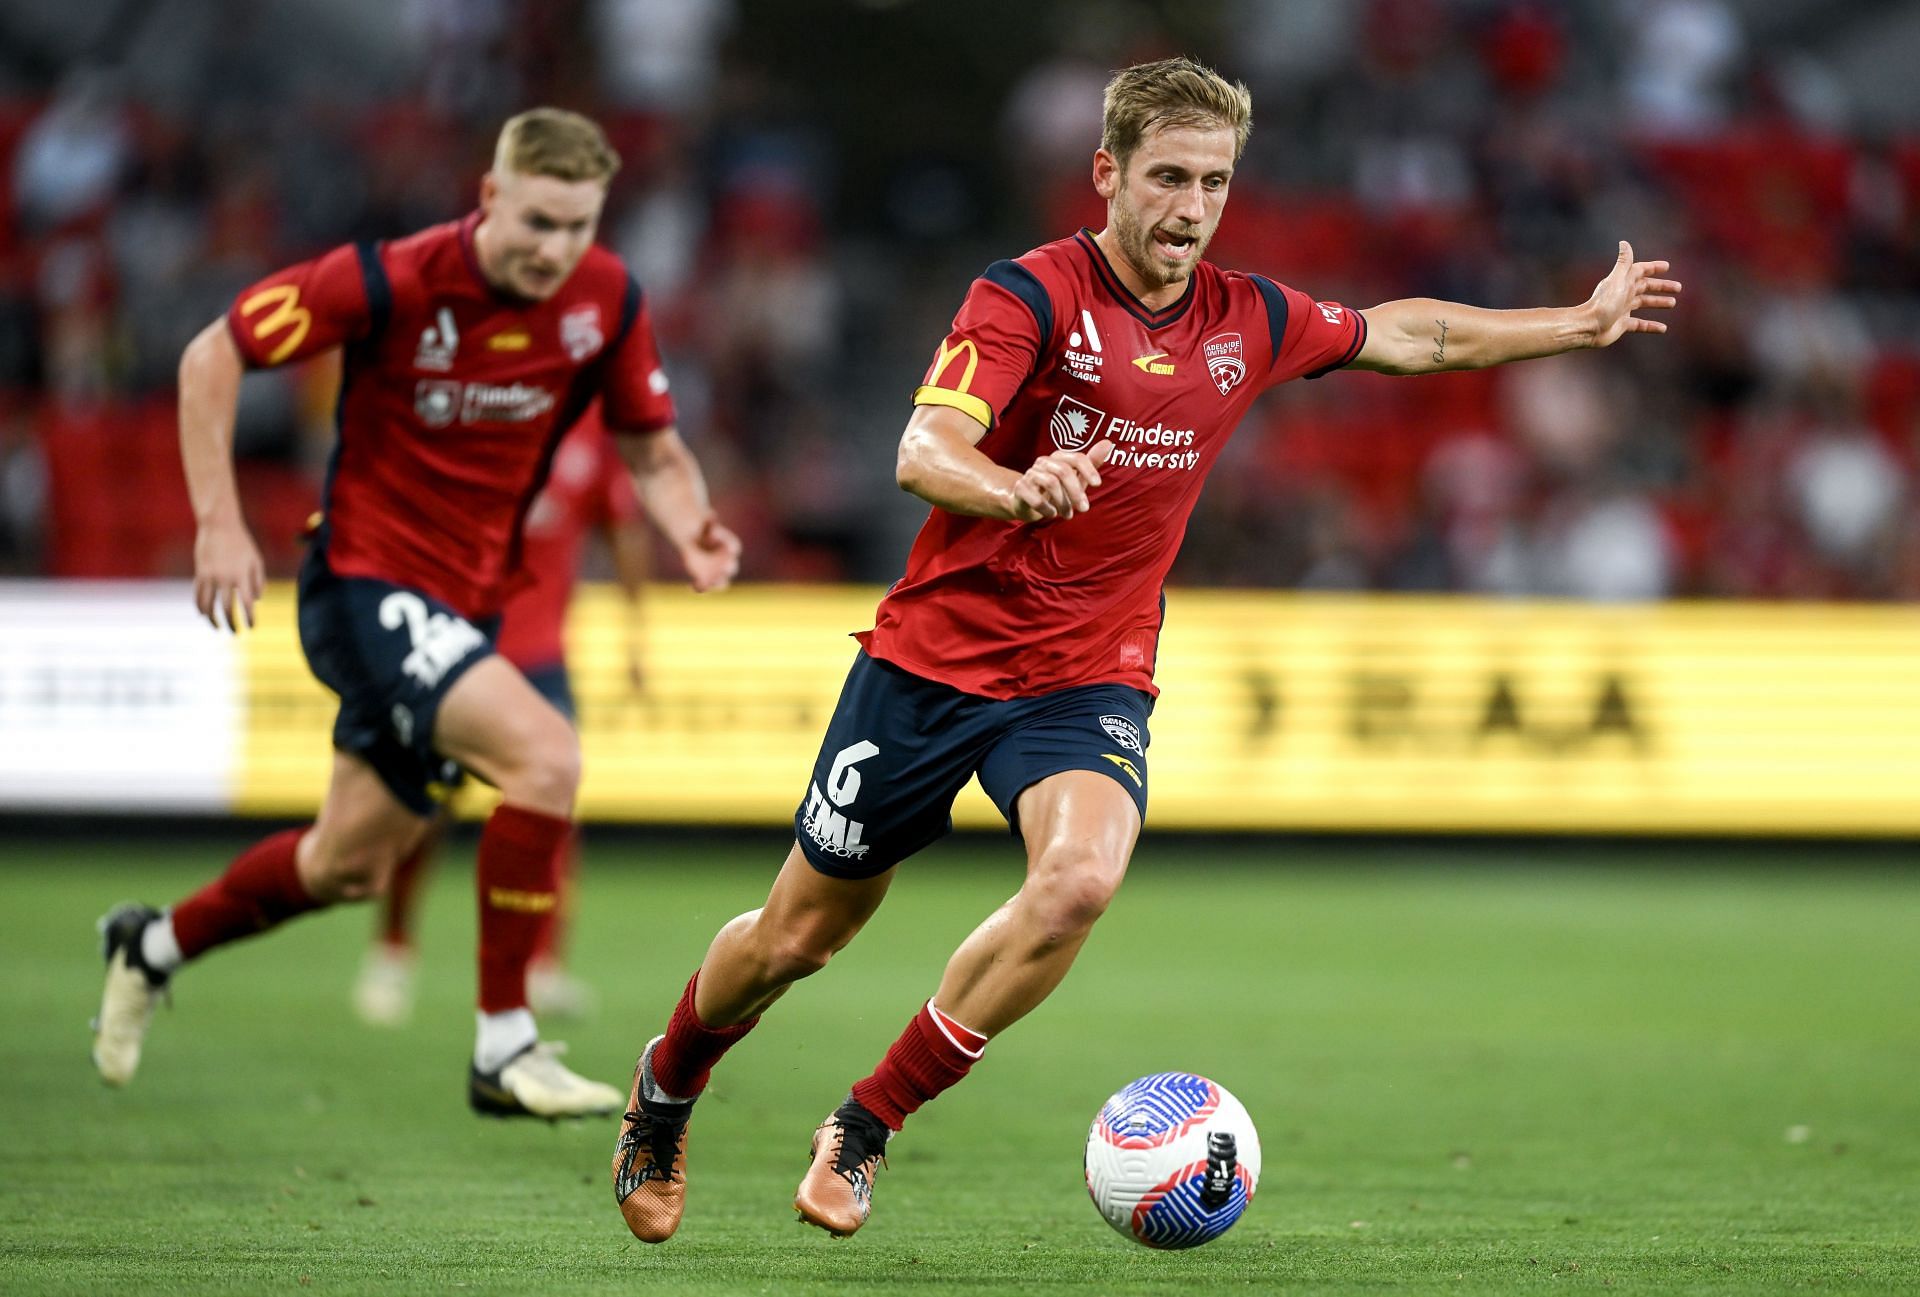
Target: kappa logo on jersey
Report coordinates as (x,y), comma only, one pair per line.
(1122,731)
(439,342)
(580,332)
(1224,363)
(1085,364)
(440,640)
(1075,424)
(436,401)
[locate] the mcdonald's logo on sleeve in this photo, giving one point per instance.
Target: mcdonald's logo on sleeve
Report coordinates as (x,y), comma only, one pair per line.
(286,313)
(941,387)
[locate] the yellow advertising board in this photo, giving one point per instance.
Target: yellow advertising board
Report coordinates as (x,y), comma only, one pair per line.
(1278,711)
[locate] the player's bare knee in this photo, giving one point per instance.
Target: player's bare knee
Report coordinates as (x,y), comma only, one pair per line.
(548,776)
(1068,891)
(790,957)
(349,874)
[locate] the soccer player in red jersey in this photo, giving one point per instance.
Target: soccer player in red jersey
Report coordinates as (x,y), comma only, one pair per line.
(587,490)
(1100,373)
(470,348)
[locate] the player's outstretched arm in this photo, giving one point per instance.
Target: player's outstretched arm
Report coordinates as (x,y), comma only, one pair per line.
(671,486)
(228,573)
(627,541)
(940,461)
(1421,335)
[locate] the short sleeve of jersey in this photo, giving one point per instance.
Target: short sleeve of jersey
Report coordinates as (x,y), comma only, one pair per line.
(302,310)
(636,395)
(995,340)
(1313,338)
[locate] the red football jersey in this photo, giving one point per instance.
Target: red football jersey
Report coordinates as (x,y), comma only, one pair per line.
(1052,352)
(587,488)
(452,397)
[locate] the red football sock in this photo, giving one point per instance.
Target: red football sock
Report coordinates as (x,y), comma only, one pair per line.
(932,1054)
(683,1060)
(261,889)
(397,906)
(552,936)
(518,848)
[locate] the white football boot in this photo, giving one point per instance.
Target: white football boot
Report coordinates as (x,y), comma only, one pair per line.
(535,1083)
(132,989)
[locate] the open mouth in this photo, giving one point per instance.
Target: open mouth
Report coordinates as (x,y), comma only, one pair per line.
(1175,247)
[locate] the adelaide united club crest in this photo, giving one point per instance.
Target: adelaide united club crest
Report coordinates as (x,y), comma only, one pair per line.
(1225,364)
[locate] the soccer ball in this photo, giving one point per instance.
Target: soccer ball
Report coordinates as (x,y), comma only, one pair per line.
(1172,1160)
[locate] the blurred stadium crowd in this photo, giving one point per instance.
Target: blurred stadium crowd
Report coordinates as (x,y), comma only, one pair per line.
(809,186)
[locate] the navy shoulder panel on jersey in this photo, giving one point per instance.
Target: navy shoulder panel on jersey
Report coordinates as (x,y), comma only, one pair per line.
(1026,286)
(629,311)
(379,289)
(1276,311)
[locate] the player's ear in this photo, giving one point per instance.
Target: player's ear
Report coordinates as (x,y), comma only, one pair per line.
(489,190)
(1106,173)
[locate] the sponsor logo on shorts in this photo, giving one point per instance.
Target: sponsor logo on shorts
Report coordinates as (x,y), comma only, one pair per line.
(1133,771)
(830,829)
(1122,731)
(440,640)
(826,821)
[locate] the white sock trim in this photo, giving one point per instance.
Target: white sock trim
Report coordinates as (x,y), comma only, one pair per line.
(160,946)
(499,1036)
(941,1018)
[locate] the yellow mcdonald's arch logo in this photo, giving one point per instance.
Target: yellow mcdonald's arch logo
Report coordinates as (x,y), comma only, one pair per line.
(946,354)
(284,300)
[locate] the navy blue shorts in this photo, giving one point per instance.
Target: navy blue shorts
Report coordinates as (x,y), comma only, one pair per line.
(900,748)
(392,654)
(552,683)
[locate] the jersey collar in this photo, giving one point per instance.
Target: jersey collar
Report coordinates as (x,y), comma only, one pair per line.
(1138,309)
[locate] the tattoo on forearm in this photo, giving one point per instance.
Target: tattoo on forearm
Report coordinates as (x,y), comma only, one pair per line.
(1440,344)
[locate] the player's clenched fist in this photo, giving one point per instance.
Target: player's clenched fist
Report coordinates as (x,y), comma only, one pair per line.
(1057,484)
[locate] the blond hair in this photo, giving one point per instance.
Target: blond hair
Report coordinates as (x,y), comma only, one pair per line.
(554,142)
(1171,92)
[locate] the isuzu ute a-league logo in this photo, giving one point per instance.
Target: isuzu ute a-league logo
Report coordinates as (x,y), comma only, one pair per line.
(439,342)
(1075,424)
(1224,364)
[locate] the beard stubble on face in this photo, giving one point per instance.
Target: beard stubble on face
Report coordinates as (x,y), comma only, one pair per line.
(1137,245)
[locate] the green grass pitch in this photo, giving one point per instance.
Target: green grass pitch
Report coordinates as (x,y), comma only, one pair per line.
(1474,1069)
